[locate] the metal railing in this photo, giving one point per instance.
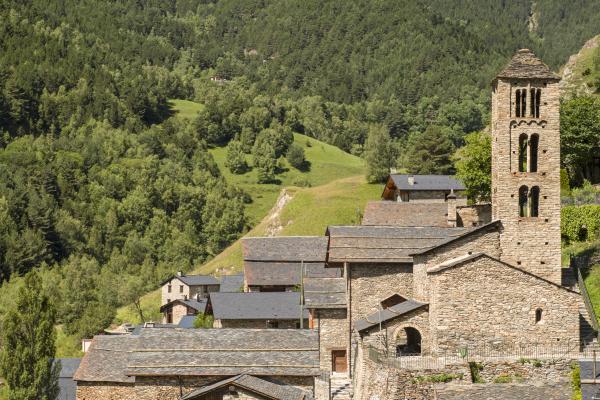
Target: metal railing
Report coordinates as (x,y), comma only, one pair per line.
(577,263)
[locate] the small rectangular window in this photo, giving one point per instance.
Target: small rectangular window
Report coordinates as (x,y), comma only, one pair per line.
(169,289)
(180,288)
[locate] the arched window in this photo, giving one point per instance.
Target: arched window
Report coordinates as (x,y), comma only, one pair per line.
(534,201)
(523,102)
(518,103)
(523,191)
(523,153)
(538,315)
(408,342)
(536,96)
(533,152)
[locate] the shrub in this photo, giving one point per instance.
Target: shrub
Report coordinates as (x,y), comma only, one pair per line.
(439,378)
(203,321)
(576,381)
(503,379)
(295,156)
(580,223)
(475,367)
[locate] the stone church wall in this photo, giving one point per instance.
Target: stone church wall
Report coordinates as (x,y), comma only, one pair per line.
(485,241)
(499,303)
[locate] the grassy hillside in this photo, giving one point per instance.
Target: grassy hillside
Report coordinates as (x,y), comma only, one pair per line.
(579,75)
(185,108)
(309,212)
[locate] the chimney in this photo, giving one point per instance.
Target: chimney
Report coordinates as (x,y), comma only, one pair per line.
(179,273)
(411,180)
(451,209)
(198,297)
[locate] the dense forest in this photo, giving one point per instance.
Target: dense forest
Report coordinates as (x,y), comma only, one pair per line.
(99,182)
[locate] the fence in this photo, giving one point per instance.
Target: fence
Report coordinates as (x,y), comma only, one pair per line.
(489,351)
(578,263)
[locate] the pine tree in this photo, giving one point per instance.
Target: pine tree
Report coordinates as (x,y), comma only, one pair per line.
(28,345)
(429,152)
(265,160)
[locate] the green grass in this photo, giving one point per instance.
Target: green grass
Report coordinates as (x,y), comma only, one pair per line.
(67,346)
(309,212)
(185,108)
(327,163)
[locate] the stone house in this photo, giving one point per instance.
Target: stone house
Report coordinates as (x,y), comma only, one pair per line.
(181,286)
(168,364)
(174,311)
(405,188)
(275,264)
(260,310)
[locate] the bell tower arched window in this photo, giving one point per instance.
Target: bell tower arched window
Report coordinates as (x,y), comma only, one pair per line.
(521,103)
(523,192)
(518,103)
(523,153)
(534,201)
(533,152)
(536,95)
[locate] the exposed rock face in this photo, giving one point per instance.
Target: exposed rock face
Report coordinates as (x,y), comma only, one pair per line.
(572,84)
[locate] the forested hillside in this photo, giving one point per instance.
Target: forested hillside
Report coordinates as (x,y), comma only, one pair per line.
(106,185)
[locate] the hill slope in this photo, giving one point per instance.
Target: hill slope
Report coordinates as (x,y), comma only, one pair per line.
(298,211)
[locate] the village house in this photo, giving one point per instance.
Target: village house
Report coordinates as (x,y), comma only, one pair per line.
(168,364)
(277,310)
(181,286)
(174,311)
(404,188)
(275,264)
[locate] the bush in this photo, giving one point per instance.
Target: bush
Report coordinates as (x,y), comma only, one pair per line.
(576,381)
(503,379)
(580,223)
(475,367)
(295,156)
(203,321)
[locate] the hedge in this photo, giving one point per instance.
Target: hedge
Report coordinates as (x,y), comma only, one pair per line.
(579,223)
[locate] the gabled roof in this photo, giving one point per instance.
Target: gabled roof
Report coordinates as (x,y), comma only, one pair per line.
(253,384)
(325,292)
(201,352)
(106,360)
(427,182)
(194,280)
(210,352)
(198,305)
(491,225)
(405,214)
(231,283)
(467,258)
(525,65)
(259,273)
(187,321)
(384,244)
(256,305)
(285,248)
(387,314)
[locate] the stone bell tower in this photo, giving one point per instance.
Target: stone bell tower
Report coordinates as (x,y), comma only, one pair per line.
(526,165)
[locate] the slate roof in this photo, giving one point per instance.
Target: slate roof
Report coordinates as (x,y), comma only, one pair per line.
(491,225)
(427,182)
(525,65)
(387,314)
(256,305)
(106,360)
(259,273)
(586,368)
(231,283)
(194,280)
(384,244)
(201,352)
(198,305)
(67,386)
(187,321)
(255,385)
(285,248)
(405,214)
(325,292)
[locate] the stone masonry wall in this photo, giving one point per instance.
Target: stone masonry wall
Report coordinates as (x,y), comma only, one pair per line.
(525,370)
(333,334)
(485,241)
(393,331)
(165,388)
(532,243)
(475,215)
(484,300)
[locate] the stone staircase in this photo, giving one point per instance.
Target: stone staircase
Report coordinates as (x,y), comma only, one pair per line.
(341,388)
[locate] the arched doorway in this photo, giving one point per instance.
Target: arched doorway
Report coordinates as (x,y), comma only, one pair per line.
(408,342)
